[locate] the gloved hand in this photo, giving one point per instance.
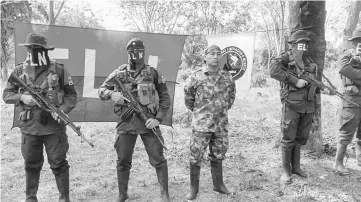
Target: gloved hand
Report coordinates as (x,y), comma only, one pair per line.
(352,90)
(151,123)
(28,100)
(301,83)
(56,116)
(118,97)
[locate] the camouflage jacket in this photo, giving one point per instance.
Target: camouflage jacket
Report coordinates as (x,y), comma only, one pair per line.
(209,98)
(350,75)
(42,123)
(135,124)
(301,100)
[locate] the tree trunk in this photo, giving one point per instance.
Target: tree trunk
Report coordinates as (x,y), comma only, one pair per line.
(311,15)
(352,20)
(51,12)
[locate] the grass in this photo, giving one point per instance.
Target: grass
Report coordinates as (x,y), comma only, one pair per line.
(252,166)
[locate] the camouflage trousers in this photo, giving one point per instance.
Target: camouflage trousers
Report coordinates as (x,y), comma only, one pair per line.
(295,127)
(350,123)
(217,142)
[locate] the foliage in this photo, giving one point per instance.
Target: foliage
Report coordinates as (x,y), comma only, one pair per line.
(11,12)
(153,16)
(40,11)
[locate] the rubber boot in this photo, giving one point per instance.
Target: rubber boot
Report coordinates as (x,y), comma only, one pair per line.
(217,177)
(32,185)
(123,179)
(340,155)
(62,182)
(358,153)
(194,178)
(295,161)
(162,174)
(286,164)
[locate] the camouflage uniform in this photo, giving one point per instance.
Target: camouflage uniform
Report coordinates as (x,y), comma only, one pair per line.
(209,98)
(38,127)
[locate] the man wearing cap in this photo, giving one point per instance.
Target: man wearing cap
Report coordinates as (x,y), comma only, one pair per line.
(209,94)
(40,128)
(148,86)
(298,102)
(350,119)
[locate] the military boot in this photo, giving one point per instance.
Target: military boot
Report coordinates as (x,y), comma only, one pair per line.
(194,178)
(123,178)
(162,174)
(340,155)
(217,178)
(62,182)
(295,161)
(358,152)
(32,185)
(286,164)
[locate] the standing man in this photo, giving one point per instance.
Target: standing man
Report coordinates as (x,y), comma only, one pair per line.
(298,102)
(148,86)
(209,94)
(350,120)
(40,128)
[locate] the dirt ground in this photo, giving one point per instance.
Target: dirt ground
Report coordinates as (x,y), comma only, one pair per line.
(252,167)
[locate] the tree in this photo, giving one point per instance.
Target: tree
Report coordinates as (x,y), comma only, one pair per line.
(311,15)
(270,17)
(11,12)
(153,16)
(352,20)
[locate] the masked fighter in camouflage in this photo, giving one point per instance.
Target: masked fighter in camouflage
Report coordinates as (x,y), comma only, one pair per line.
(148,86)
(298,102)
(350,63)
(40,128)
(209,94)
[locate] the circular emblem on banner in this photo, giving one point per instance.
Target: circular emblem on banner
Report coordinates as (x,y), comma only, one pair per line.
(235,61)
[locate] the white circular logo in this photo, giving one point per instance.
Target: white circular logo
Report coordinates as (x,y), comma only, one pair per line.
(235,61)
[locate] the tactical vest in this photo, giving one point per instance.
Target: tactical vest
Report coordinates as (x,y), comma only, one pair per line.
(47,84)
(141,86)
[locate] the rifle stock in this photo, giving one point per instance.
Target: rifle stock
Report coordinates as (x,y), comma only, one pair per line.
(134,104)
(46,105)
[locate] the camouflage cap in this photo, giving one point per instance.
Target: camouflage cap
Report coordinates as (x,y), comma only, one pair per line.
(299,35)
(36,39)
(356,34)
(212,48)
(135,43)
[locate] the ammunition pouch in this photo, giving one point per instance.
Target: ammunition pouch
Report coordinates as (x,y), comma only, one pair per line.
(126,114)
(44,116)
(311,93)
(26,115)
(148,96)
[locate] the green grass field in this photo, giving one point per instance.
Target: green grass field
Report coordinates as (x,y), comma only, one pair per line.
(252,167)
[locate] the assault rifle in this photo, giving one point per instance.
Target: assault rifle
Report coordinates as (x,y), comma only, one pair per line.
(137,108)
(46,105)
(314,82)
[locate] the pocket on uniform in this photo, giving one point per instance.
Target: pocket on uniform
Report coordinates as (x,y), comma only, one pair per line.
(285,123)
(346,119)
(295,97)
